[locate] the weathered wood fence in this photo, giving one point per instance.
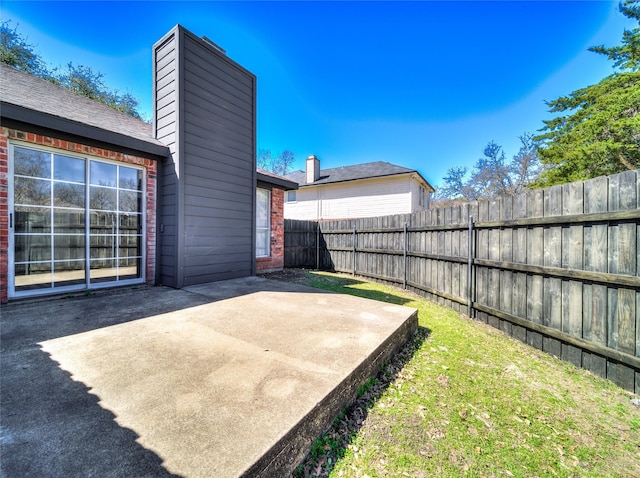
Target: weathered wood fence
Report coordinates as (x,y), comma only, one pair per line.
(557,268)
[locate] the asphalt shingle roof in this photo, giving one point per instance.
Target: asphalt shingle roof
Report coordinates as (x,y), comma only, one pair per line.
(374,169)
(272,178)
(36,94)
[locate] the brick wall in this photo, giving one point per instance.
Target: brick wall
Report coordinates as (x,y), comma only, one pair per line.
(4,216)
(26,137)
(276,261)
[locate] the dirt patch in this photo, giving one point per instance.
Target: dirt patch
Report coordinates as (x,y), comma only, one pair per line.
(295,276)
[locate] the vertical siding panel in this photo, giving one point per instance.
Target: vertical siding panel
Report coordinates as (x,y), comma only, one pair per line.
(165,100)
(205,113)
(218,131)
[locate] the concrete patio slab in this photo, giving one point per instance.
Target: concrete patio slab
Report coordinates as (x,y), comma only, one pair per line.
(233,378)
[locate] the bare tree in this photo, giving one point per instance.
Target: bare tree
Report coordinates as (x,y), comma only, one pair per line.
(280,164)
(492,176)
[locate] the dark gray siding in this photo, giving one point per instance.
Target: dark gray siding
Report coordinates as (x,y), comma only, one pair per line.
(165,128)
(206,113)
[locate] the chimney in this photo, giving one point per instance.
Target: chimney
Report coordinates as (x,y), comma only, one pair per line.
(313,169)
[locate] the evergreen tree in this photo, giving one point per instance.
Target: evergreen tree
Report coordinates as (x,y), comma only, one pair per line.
(597,131)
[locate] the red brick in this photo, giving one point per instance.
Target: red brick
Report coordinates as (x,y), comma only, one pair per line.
(276,260)
(151,186)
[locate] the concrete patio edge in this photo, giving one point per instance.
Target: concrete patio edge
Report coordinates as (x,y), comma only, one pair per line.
(283,458)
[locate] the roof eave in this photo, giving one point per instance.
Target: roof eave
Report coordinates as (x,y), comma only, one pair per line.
(28,117)
(429,186)
(281,183)
(404,173)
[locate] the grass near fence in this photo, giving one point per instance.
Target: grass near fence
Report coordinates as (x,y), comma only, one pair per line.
(467,400)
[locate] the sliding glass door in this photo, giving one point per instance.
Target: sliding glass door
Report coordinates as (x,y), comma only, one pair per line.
(77,222)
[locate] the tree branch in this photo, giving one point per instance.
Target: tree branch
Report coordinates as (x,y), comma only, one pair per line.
(626,163)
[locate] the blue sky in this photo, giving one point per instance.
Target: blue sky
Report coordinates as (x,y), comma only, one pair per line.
(425,85)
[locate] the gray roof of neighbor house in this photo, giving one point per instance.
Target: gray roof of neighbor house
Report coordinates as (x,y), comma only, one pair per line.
(376,169)
(275,180)
(26,99)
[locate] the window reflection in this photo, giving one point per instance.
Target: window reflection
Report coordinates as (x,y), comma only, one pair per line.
(102,198)
(66,247)
(130,201)
(129,246)
(103,270)
(68,221)
(103,246)
(32,219)
(33,192)
(103,222)
(68,273)
(32,248)
(32,276)
(52,246)
(130,268)
(130,223)
(68,169)
(130,178)
(27,162)
(68,195)
(103,174)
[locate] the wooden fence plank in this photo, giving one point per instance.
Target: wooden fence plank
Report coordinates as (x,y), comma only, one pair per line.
(455,251)
(493,285)
(535,253)
(572,258)
(519,302)
(595,295)
(482,252)
(557,268)
(506,255)
(552,256)
(622,258)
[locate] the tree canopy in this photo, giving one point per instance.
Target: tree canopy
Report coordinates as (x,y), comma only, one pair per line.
(15,51)
(597,130)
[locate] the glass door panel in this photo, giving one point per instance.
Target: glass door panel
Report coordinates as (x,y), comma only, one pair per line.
(32,219)
(73,217)
(32,276)
(103,270)
(67,273)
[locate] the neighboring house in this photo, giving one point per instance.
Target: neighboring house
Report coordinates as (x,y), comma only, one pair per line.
(362,190)
(90,197)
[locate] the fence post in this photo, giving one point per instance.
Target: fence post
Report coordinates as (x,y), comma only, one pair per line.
(404,279)
(469,268)
(353,262)
(318,245)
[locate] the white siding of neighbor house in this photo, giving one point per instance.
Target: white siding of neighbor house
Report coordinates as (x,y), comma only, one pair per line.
(416,206)
(351,199)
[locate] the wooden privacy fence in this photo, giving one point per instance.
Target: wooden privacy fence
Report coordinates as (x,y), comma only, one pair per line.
(557,268)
